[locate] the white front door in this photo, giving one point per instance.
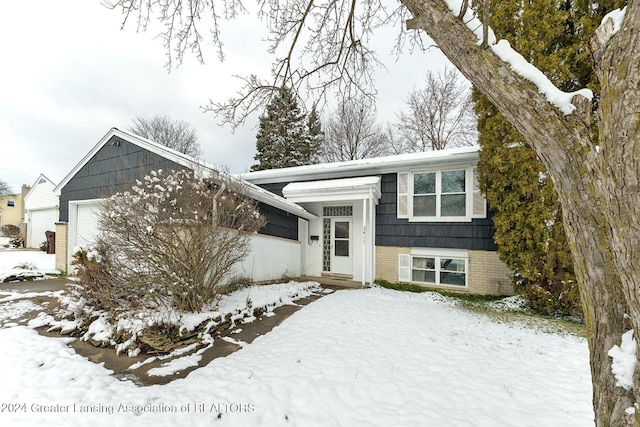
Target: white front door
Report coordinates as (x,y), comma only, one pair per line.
(341,246)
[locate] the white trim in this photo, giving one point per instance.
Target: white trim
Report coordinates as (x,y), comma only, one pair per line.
(36,183)
(403,195)
(72,229)
(474,191)
(201,168)
(333,190)
(377,165)
(404,268)
(438,254)
(468,171)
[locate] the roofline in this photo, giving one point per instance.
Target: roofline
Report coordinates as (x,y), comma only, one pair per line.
(33,186)
(200,167)
(376,165)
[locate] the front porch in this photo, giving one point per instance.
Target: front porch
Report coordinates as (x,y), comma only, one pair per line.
(340,243)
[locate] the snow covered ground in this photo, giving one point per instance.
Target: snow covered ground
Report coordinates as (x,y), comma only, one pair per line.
(21,263)
(371,357)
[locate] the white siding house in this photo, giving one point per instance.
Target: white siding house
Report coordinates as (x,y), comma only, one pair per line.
(41,211)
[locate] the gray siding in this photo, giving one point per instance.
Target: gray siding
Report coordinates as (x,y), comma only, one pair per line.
(391,231)
(279,223)
(115,167)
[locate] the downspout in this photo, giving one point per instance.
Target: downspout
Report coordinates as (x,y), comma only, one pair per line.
(364,240)
(372,245)
(223,186)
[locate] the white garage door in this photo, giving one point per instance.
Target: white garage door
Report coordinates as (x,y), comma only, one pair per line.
(86,224)
(40,221)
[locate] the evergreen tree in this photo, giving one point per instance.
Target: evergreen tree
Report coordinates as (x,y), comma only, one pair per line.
(528,219)
(316,135)
(283,138)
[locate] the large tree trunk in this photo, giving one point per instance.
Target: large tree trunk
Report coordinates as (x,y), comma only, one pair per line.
(597,181)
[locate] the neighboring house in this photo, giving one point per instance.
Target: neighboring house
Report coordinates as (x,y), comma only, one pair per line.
(120,158)
(416,218)
(41,211)
(11,208)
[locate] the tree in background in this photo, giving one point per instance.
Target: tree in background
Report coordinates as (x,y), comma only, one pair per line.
(5,190)
(175,134)
(352,133)
(316,134)
(437,116)
(283,138)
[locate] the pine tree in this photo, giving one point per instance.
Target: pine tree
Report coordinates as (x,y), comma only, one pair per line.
(316,135)
(528,219)
(283,138)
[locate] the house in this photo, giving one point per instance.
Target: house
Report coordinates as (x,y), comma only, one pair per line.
(120,158)
(416,218)
(11,207)
(40,211)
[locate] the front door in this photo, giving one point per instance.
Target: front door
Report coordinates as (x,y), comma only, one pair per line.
(341,246)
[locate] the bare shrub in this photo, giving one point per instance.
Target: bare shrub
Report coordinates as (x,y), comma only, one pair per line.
(169,241)
(10,230)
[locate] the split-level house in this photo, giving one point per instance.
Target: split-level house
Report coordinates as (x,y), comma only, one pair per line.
(416,218)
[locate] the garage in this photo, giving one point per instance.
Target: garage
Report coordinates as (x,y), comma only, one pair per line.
(41,211)
(39,221)
(83,223)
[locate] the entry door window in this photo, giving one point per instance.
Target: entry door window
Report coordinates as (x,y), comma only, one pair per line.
(341,238)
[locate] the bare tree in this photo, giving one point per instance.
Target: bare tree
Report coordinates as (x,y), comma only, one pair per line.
(352,133)
(438,115)
(172,133)
(597,174)
(5,189)
(170,240)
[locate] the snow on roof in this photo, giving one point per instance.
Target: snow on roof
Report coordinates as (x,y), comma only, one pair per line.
(335,184)
(364,166)
(200,167)
(504,51)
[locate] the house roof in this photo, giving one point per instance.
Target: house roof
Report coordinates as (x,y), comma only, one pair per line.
(361,167)
(37,182)
(334,189)
(200,167)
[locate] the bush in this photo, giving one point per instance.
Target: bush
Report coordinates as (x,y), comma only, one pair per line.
(10,230)
(564,302)
(169,241)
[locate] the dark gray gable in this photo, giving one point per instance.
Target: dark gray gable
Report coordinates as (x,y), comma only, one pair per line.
(115,167)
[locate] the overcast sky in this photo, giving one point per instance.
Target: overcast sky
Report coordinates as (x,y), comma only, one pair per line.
(69,74)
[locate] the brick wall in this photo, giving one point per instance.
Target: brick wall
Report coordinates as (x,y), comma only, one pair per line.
(387,262)
(488,275)
(62,245)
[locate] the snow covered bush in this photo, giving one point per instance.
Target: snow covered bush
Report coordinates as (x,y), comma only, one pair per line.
(169,241)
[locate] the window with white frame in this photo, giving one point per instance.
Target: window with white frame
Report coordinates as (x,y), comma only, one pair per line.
(439,270)
(442,195)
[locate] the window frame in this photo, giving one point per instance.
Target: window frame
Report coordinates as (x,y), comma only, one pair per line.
(438,255)
(471,193)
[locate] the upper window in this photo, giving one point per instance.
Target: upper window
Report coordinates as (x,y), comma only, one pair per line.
(449,195)
(11,203)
